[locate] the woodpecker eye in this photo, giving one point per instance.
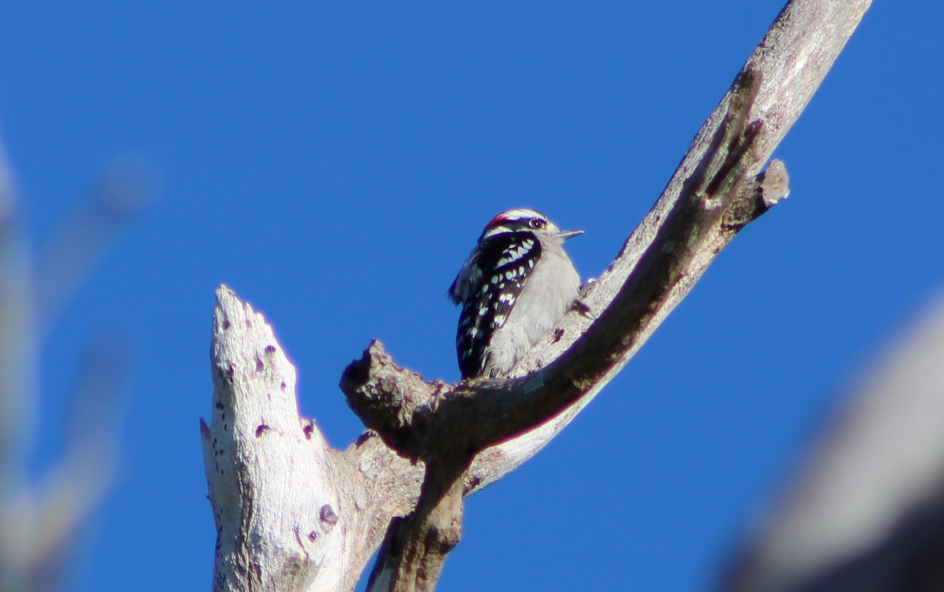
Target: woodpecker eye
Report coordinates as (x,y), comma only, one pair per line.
(536,223)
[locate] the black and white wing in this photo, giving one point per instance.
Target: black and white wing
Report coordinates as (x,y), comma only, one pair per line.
(487,300)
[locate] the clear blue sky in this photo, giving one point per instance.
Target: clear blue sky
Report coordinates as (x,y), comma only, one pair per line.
(334,165)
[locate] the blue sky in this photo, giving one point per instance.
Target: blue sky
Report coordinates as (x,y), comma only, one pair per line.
(334,163)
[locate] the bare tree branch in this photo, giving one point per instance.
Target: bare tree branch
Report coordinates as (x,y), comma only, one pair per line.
(458,439)
(39,523)
(482,413)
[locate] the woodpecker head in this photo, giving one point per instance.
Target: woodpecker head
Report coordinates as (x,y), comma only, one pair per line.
(526,219)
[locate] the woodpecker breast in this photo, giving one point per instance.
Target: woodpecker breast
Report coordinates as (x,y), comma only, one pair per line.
(514,287)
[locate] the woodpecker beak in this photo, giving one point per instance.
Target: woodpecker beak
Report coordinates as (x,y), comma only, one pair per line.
(565,235)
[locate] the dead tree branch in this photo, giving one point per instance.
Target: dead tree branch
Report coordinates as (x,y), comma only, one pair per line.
(457,439)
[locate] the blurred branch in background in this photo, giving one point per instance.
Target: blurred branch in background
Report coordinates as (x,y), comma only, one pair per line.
(39,522)
(865,512)
(17,337)
(84,236)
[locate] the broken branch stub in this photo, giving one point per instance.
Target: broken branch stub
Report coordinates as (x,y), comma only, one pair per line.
(272,480)
(390,400)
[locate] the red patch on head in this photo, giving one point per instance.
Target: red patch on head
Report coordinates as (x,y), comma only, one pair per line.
(513,215)
(497,219)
